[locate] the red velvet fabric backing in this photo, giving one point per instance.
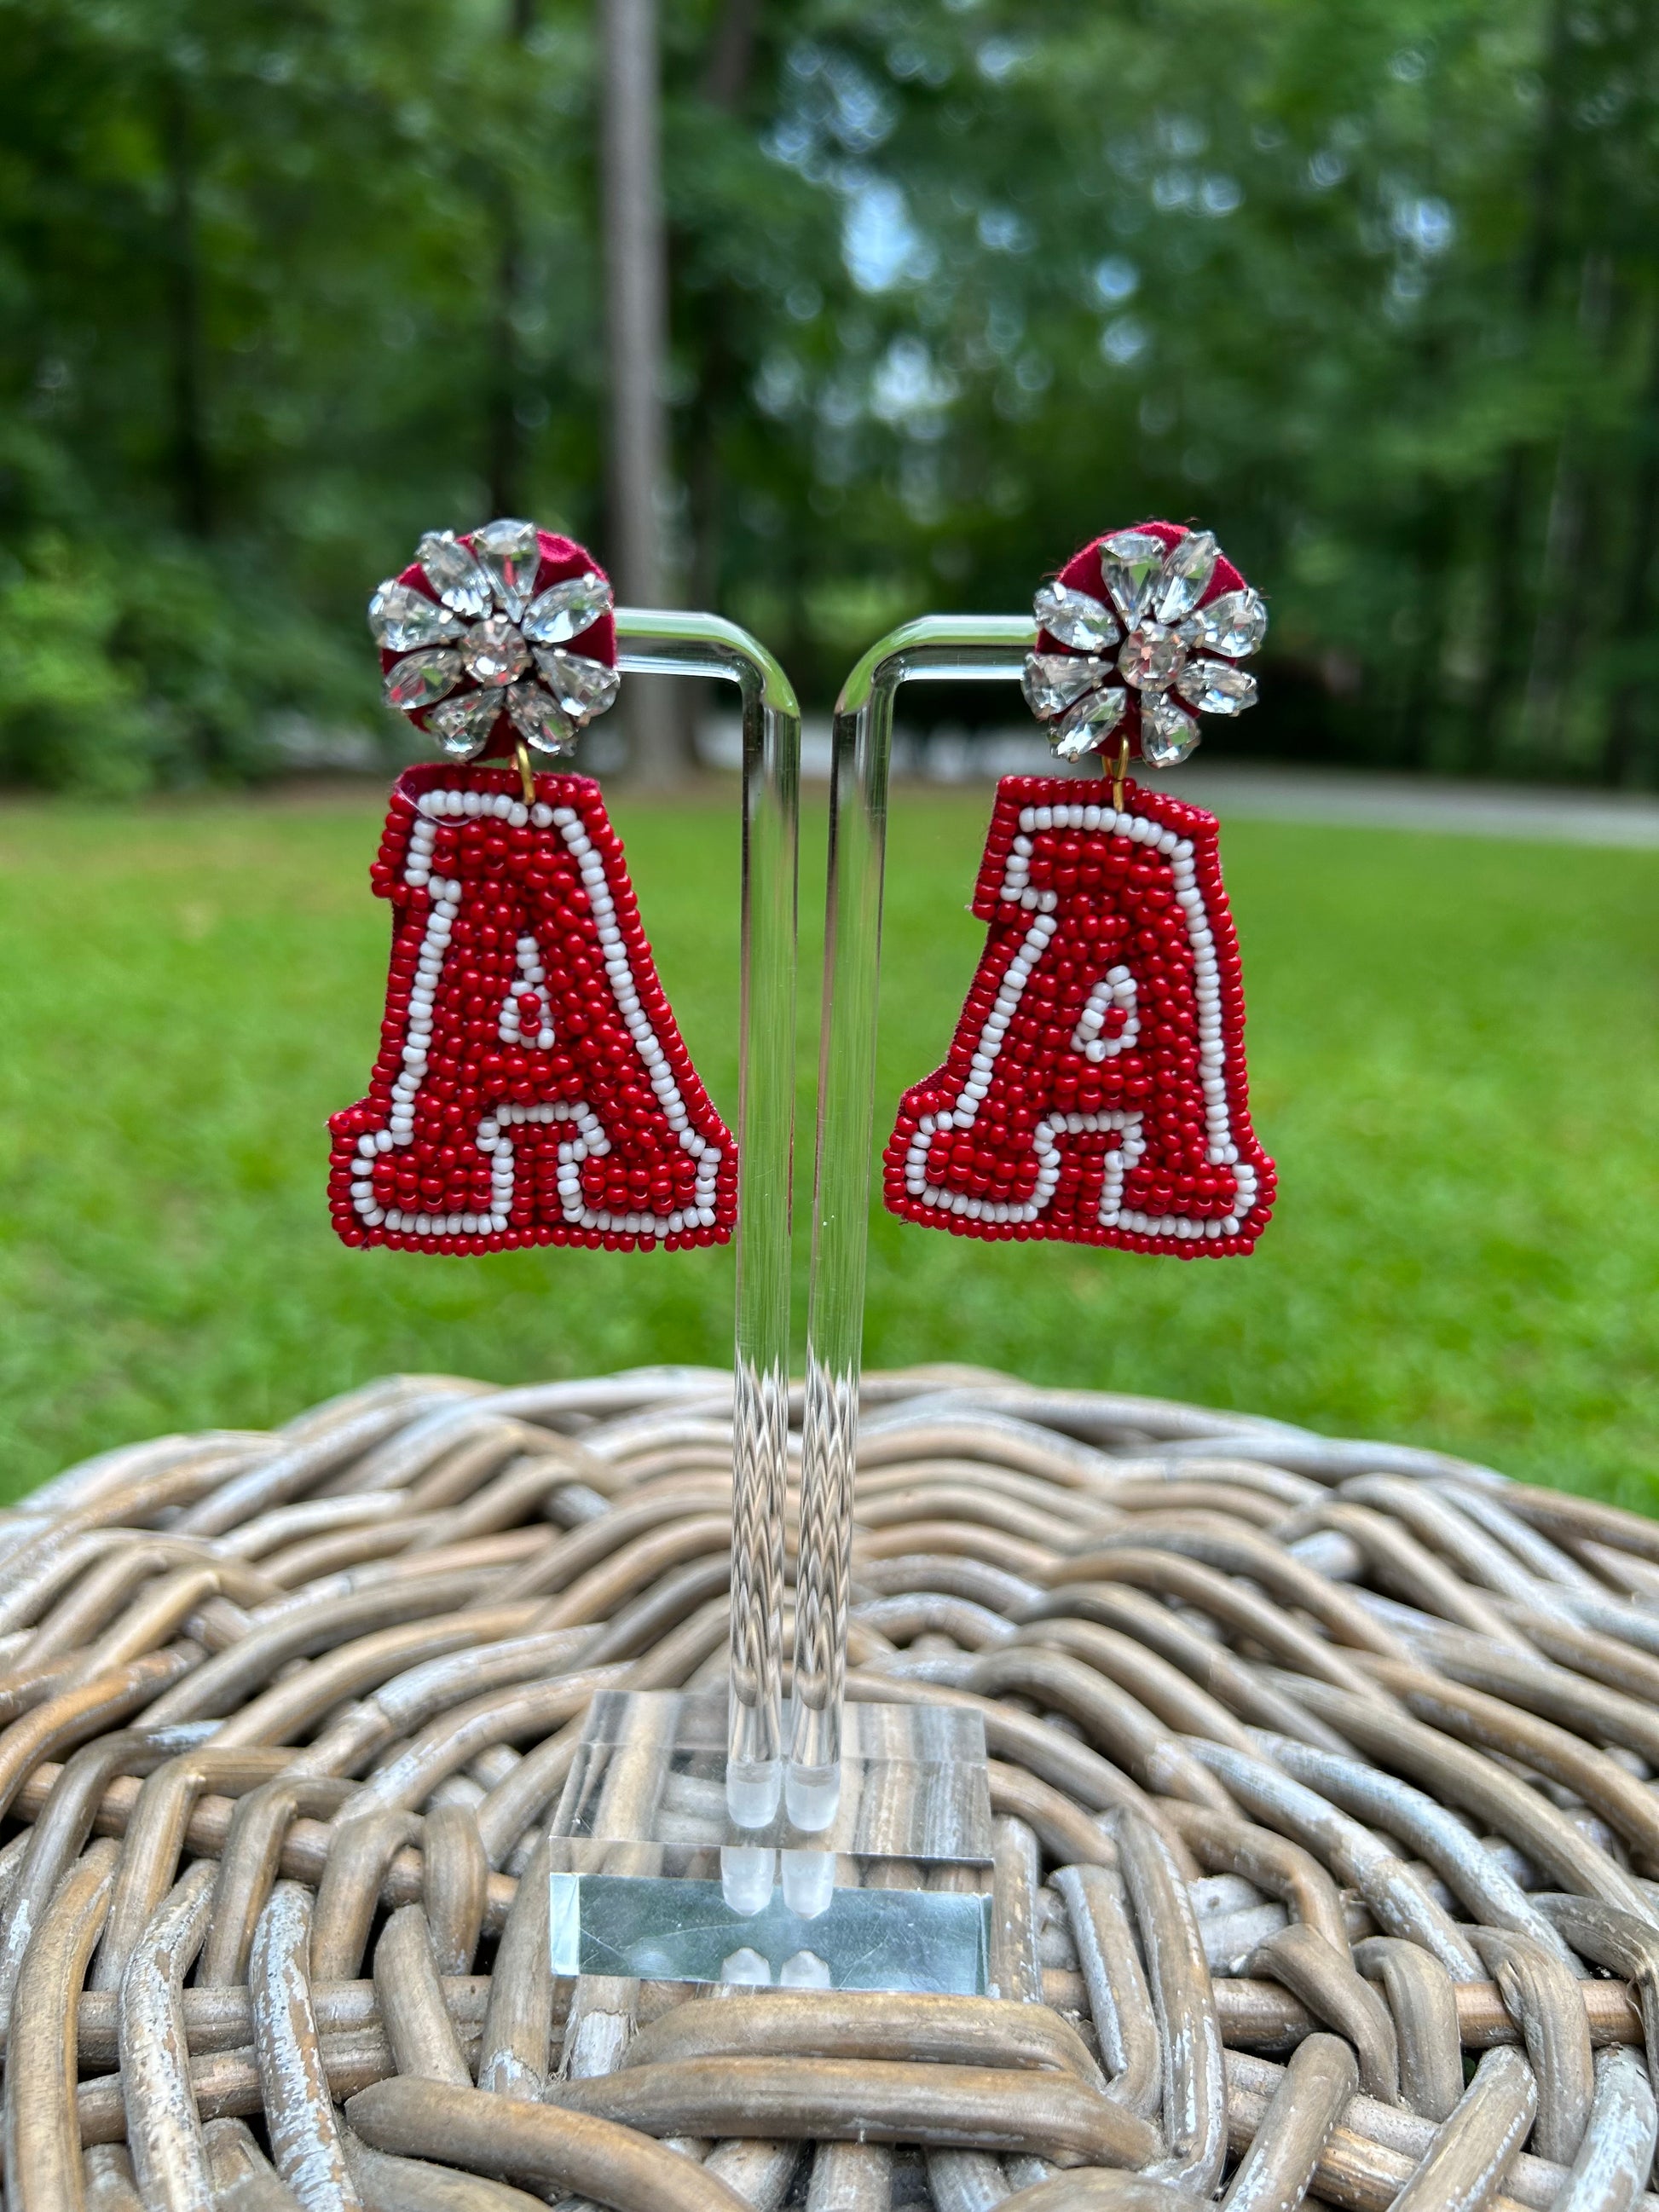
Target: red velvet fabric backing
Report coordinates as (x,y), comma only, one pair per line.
(1082,572)
(562,558)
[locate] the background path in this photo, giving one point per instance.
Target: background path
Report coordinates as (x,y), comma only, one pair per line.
(1266,792)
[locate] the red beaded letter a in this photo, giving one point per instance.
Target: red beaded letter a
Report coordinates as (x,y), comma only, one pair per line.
(532,1086)
(1095,1089)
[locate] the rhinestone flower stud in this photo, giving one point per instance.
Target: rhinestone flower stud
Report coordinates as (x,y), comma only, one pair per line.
(1128,636)
(479,635)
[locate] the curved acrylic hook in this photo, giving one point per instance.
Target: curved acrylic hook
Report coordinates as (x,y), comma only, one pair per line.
(985,648)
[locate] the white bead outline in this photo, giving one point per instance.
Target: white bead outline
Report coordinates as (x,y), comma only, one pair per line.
(1221,1149)
(591,1141)
(1116,988)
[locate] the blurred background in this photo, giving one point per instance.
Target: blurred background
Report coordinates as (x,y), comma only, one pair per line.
(823,314)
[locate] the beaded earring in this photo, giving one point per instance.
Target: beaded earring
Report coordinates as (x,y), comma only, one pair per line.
(532,1086)
(1095,1089)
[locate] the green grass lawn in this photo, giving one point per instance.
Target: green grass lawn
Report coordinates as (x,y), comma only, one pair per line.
(1454,1060)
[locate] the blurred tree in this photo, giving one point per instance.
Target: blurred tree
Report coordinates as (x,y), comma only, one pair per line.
(636,342)
(1372,285)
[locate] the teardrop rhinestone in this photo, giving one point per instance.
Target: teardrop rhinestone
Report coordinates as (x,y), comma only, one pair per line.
(1235,623)
(1187,567)
(418,679)
(1216,687)
(494,652)
(1086,727)
(565,610)
(536,718)
(453,573)
(1152,657)
(462,724)
(1074,619)
(1167,734)
(403,619)
(1052,681)
(582,687)
(1132,568)
(511,553)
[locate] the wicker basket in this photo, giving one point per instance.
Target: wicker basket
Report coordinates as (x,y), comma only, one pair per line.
(1320,1770)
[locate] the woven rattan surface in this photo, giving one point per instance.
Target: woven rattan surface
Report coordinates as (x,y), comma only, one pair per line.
(1321,1772)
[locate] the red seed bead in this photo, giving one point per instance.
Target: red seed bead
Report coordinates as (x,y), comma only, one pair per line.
(518,879)
(1114,901)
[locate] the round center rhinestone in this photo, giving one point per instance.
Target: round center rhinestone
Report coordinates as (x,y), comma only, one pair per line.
(494,652)
(1152,656)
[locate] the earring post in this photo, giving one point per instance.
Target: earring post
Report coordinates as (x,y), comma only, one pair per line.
(981,649)
(660,642)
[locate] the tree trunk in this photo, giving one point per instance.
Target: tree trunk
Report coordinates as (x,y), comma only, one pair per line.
(636,331)
(1629,745)
(731,56)
(191,484)
(725,82)
(1507,627)
(503,429)
(1561,583)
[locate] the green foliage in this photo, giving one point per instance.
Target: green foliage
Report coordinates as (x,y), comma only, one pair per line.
(1372,284)
(1462,1096)
(72,714)
(118,670)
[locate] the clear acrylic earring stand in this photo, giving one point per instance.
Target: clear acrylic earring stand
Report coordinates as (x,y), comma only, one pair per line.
(673,1858)
(655,642)
(984,648)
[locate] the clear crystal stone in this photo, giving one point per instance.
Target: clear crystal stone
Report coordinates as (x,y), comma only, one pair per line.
(1086,727)
(1216,687)
(420,678)
(1131,568)
(453,573)
(462,723)
(565,610)
(583,688)
(1074,619)
(494,652)
(1234,624)
(536,716)
(1187,567)
(511,553)
(1167,734)
(1053,680)
(1152,657)
(403,619)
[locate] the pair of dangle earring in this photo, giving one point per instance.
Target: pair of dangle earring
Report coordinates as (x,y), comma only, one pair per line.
(532,1086)
(1095,1089)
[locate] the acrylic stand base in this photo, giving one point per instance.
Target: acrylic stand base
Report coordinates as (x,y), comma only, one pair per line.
(652,1881)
